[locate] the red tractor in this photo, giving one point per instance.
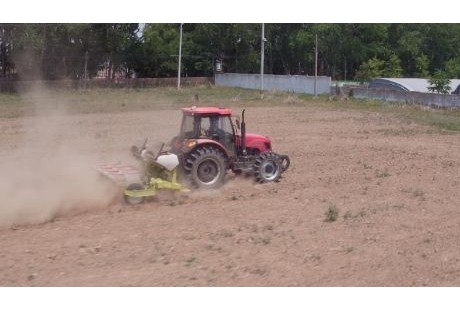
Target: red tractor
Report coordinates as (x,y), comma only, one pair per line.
(211,142)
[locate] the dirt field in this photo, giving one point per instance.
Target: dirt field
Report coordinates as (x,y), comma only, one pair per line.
(394,183)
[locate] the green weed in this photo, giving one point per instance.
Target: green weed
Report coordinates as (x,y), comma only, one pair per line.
(331,213)
(382,174)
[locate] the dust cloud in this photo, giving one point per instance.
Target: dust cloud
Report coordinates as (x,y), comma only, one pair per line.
(50,172)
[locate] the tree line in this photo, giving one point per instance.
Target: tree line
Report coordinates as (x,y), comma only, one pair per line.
(345,51)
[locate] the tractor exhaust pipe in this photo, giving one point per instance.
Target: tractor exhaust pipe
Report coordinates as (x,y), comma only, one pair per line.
(243,134)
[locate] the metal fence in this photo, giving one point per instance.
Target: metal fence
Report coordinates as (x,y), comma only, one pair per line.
(23,86)
(441,101)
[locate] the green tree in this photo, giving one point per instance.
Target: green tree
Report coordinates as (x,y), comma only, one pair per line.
(236,45)
(6,46)
(392,67)
(442,43)
(408,42)
(422,64)
(110,45)
(158,53)
(452,68)
(439,83)
(54,51)
(28,51)
(371,69)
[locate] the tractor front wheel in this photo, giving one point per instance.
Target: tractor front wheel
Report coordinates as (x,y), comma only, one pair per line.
(206,167)
(267,167)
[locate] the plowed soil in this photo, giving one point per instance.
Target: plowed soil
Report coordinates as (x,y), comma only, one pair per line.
(393,183)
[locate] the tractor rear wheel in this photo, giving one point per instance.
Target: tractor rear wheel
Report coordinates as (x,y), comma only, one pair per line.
(206,167)
(267,167)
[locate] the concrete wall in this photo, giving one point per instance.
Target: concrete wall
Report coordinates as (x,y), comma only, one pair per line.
(428,99)
(292,83)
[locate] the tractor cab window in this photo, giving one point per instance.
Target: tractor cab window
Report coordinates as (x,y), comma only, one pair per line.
(205,126)
(227,125)
(218,128)
(215,127)
(228,135)
(188,128)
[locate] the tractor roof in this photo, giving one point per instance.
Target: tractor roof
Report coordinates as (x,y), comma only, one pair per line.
(207,111)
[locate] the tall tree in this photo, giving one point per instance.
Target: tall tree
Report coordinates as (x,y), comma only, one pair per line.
(54,51)
(452,68)
(422,65)
(373,68)
(393,67)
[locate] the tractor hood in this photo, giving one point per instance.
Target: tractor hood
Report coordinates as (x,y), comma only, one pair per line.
(255,141)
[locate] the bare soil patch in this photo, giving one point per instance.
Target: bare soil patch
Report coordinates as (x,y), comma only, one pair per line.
(394,184)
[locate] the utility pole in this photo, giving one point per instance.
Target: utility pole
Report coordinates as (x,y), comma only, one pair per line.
(180,57)
(262,54)
(316,65)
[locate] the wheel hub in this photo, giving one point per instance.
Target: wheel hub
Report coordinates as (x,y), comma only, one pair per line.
(208,171)
(269,170)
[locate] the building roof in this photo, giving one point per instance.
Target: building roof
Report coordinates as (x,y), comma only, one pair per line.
(207,110)
(456,90)
(408,84)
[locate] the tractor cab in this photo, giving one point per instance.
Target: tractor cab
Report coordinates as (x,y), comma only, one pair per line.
(199,125)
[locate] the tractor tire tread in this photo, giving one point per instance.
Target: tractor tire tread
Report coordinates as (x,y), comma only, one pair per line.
(270,156)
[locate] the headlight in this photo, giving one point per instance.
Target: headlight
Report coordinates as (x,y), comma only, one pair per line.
(190,143)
